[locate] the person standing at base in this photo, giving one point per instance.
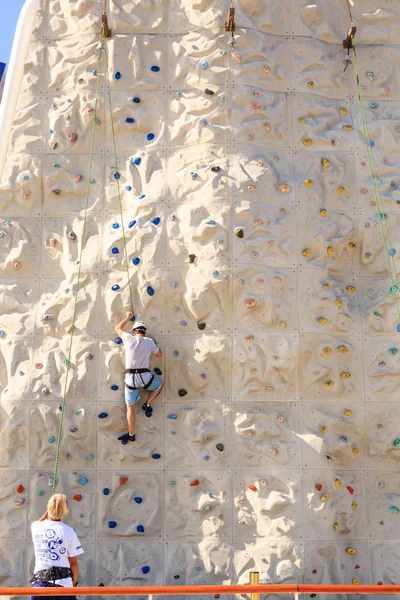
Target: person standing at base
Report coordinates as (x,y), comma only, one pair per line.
(56,548)
(138,349)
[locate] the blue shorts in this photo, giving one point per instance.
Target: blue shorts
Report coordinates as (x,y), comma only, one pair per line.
(132,396)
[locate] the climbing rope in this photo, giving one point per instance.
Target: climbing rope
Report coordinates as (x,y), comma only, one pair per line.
(102,48)
(382,218)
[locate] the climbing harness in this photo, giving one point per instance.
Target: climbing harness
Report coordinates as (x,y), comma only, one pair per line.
(139,372)
(382,217)
(52,574)
(102,47)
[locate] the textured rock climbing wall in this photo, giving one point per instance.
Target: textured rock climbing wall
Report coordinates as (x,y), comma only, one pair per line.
(256,260)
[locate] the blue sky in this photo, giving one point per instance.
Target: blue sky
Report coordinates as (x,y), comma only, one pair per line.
(10,10)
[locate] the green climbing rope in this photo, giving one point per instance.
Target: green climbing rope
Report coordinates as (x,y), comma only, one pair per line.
(103,47)
(382,219)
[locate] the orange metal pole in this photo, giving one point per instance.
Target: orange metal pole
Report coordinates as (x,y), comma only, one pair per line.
(349,589)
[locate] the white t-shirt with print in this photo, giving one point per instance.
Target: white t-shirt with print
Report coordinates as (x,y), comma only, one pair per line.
(137,356)
(54,543)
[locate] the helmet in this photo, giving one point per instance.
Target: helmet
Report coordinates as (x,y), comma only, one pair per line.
(138,325)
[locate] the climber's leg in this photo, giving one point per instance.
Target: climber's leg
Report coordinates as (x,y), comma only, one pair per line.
(131,397)
(154,388)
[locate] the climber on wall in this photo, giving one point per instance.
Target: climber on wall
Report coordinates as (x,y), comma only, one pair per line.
(56,549)
(138,349)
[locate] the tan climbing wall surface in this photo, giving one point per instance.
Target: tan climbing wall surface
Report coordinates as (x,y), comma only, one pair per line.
(256,260)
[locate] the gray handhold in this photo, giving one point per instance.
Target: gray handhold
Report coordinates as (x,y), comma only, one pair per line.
(48,316)
(73,429)
(45,391)
(71,235)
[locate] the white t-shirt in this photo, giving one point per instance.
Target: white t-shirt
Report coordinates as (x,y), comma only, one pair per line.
(54,543)
(137,356)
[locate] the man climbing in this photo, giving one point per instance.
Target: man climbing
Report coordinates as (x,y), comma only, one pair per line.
(138,349)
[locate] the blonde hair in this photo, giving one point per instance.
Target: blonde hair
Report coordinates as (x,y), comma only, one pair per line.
(57,507)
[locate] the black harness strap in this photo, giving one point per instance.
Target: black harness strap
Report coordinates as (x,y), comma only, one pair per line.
(139,372)
(51,574)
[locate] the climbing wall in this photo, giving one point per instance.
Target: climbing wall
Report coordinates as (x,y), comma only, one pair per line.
(255,258)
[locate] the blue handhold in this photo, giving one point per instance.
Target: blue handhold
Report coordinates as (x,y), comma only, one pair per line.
(203,376)
(114,250)
(179,94)
(156,220)
(141,196)
(124,442)
(114,387)
(138,500)
(103,415)
(154,68)
(174,284)
(132,224)
(183,323)
(94,72)
(156,456)
(392,251)
(115,287)
(150,290)
(198,568)
(51,131)
(60,408)
(117,75)
(83,480)
(204,64)
(398,327)
(136,161)
(136,261)
(371,143)
(215,273)
(117,175)
(106,491)
(193,175)
(112,524)
(115,225)
(157,371)
(145,570)
(210,222)
(2,333)
(140,529)
(172,416)
(194,47)
(51,439)
(206,457)
(150,136)
(129,120)
(136,100)
(176,353)
(118,340)
(8,224)
(203,121)
(128,188)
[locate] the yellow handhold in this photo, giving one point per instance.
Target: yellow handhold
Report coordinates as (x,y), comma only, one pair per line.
(322,320)
(306,252)
(329,458)
(340,191)
(327,286)
(351,551)
(347,128)
(325,162)
(310,85)
(351,245)
(354,506)
(325,497)
(351,288)
(302,120)
(343,349)
(329,383)
(345,375)
(338,483)
(307,142)
(343,111)
(309,183)
(347,412)
(355,581)
(329,250)
(326,351)
(355,451)
(323,429)
(338,302)
(323,212)
(336,527)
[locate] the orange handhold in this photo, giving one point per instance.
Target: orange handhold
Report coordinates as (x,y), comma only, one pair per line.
(357,567)
(195,482)
(252,487)
(122,480)
(20,489)
(351,490)
(78,497)
(318,486)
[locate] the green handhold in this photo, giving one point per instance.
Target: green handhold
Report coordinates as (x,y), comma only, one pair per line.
(173,432)
(394,509)
(396,442)
(220,241)
(373,104)
(394,289)
(242,281)
(377,315)
(213,153)
(56,165)
(370,75)
(78,413)
(66,290)
(172,483)
(176,308)
(223,97)
(198,351)
(368,255)
(90,457)
(207,507)
(41,493)
(206,437)
(381,216)
(92,181)
(223,51)
(202,394)
(98,122)
(397,129)
(66,362)
(392,351)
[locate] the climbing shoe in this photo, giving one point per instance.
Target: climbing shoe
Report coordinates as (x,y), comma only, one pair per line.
(148,409)
(127,438)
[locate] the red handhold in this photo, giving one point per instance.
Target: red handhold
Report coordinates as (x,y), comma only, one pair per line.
(252,487)
(351,490)
(216,595)
(78,178)
(357,567)
(318,486)
(379,583)
(314,571)
(78,497)
(195,482)
(20,489)
(122,480)
(72,137)
(90,111)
